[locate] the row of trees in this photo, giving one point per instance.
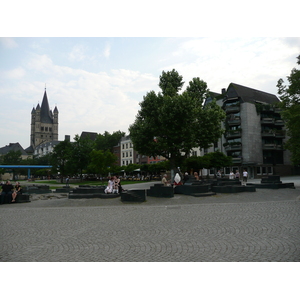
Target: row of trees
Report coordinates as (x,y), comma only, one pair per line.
(290,105)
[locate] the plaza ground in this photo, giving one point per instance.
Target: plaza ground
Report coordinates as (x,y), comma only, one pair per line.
(263,226)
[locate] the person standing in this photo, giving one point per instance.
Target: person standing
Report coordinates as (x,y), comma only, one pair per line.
(67,181)
(245,177)
(237,175)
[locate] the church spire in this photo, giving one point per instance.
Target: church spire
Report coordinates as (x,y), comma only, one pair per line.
(45,110)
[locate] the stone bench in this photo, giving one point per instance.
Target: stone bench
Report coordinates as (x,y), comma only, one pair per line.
(133,196)
(36,189)
(161,191)
(192,189)
(21,198)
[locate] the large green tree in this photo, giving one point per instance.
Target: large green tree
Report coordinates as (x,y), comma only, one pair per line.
(170,124)
(101,162)
(12,158)
(61,158)
(290,104)
(80,154)
(107,141)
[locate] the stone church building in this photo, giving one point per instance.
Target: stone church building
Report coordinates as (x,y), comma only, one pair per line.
(44,125)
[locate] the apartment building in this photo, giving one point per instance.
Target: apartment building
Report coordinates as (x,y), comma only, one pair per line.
(254,132)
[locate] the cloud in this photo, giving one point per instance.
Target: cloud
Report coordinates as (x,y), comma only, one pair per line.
(253,62)
(16,73)
(90,101)
(77,53)
(8,42)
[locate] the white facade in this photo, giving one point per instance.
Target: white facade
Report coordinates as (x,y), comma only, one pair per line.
(126,149)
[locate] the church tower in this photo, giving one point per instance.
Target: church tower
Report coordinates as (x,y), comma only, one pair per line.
(44,124)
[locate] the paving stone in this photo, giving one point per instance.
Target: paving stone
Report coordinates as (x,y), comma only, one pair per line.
(260,226)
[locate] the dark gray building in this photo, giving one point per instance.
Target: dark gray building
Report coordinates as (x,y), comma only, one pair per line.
(254,132)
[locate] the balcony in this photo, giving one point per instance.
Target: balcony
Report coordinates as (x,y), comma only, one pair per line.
(272,147)
(273,133)
(235,121)
(267,121)
(267,133)
(280,134)
(279,123)
(232,109)
(237,160)
(233,134)
(233,147)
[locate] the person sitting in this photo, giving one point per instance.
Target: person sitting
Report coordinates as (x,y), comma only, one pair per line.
(116,183)
(16,192)
(186,177)
(177,180)
(109,188)
(196,175)
(164,180)
(6,191)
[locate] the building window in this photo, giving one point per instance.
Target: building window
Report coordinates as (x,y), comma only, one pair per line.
(270,170)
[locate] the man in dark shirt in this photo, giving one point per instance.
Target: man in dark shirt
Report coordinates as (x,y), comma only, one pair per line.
(6,191)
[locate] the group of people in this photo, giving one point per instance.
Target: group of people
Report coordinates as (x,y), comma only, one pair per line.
(113,186)
(10,192)
(177,178)
(236,176)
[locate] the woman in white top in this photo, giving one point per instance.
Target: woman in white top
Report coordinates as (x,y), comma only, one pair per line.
(245,176)
(109,188)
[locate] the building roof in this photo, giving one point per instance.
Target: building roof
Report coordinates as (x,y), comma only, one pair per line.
(45,111)
(90,135)
(12,147)
(47,144)
(250,95)
(29,150)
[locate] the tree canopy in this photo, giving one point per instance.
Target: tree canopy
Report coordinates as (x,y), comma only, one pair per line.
(290,105)
(171,124)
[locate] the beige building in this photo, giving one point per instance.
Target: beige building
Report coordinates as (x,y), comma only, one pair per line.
(44,124)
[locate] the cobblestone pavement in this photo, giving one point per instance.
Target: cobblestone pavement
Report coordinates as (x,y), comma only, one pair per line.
(254,227)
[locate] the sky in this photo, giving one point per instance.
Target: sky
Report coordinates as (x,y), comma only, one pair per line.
(97,81)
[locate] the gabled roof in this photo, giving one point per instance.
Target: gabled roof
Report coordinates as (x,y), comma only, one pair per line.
(12,147)
(45,111)
(91,135)
(29,150)
(250,95)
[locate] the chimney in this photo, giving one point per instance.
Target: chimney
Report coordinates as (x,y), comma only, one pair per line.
(223,91)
